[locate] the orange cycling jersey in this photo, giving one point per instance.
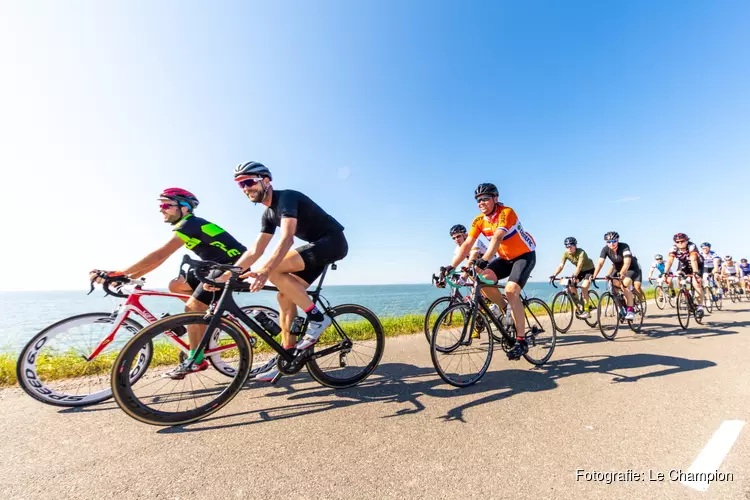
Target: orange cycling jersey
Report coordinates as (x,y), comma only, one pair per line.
(516,241)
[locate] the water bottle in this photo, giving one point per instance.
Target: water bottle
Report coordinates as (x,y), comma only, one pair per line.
(495,310)
(266,322)
(508,323)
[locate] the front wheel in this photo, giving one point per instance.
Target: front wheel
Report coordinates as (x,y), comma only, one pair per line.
(159,399)
(541,335)
(460,358)
(661,298)
(563,309)
(609,316)
(350,349)
(54,366)
(683,309)
(639,309)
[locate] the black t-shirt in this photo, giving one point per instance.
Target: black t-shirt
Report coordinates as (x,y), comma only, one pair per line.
(208,241)
(683,256)
(617,258)
(312,221)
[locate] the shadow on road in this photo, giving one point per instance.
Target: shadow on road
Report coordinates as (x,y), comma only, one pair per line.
(408,386)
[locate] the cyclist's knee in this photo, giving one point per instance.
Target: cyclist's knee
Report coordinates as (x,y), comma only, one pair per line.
(489,274)
(195,305)
(176,285)
(512,290)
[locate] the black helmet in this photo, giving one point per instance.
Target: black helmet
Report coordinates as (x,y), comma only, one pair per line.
(252,168)
(571,241)
(680,236)
(611,235)
(485,188)
(458,229)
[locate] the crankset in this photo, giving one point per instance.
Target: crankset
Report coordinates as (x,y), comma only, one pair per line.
(295,365)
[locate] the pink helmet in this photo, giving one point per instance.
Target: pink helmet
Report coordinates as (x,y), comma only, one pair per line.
(182,196)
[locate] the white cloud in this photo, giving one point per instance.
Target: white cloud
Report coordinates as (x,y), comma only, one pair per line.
(344,172)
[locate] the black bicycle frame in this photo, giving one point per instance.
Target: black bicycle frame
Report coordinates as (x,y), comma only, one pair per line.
(226,303)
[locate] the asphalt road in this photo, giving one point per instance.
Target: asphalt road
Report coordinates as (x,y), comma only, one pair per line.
(647,403)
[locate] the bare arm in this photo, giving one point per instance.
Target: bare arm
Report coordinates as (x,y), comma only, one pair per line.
(625,265)
(288,228)
(252,255)
(598,267)
(465,248)
(154,259)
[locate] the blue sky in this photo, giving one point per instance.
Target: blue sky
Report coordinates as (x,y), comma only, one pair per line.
(589,116)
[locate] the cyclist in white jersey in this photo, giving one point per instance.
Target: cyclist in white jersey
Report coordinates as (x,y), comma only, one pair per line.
(459,234)
(711,262)
(728,272)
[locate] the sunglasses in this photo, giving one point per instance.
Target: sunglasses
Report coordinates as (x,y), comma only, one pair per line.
(610,241)
(484,199)
(167,206)
(458,236)
(249,182)
(680,241)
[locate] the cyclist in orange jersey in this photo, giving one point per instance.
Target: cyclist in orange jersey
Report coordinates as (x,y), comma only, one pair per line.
(516,253)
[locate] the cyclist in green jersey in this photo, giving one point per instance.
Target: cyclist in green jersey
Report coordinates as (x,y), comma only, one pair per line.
(205,239)
(584,270)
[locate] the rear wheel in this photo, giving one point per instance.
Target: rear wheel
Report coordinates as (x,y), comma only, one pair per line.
(350,349)
(432,314)
(593,318)
(609,316)
(563,309)
(541,335)
(639,310)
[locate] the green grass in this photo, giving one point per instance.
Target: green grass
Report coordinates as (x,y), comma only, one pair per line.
(73,365)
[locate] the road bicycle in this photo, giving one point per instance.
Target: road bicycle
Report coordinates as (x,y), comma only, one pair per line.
(713,296)
(69,363)
(460,358)
(612,309)
(346,354)
(663,294)
(566,305)
(686,306)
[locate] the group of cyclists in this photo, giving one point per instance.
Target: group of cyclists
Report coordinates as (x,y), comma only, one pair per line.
(510,253)
(292,271)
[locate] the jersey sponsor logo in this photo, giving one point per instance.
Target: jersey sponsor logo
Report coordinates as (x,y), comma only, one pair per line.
(231,252)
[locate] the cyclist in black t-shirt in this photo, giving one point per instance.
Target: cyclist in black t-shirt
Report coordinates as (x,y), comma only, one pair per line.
(292,271)
(625,264)
(690,261)
(207,240)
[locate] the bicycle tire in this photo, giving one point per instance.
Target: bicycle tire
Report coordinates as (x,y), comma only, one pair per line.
(27,366)
(135,405)
(594,300)
(683,310)
(464,338)
(428,326)
(639,311)
(708,302)
(607,310)
(563,310)
(660,297)
(537,323)
(325,377)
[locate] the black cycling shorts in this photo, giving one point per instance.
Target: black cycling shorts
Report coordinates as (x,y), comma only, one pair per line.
(517,270)
(318,254)
(688,269)
(585,274)
(199,293)
(634,274)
